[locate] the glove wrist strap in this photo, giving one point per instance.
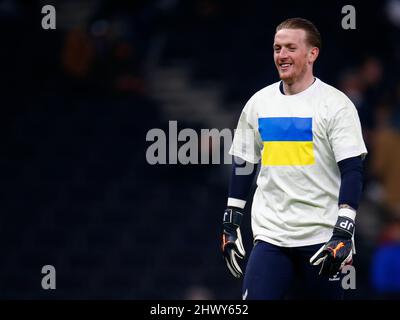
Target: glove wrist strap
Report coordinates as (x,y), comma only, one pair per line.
(233,216)
(344,228)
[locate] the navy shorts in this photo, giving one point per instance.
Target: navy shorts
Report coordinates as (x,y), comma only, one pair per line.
(274,273)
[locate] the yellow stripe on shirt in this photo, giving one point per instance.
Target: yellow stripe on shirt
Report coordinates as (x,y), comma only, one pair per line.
(288,153)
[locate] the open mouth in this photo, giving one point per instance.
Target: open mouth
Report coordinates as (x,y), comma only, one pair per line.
(285,66)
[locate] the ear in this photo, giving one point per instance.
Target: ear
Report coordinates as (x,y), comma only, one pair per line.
(313,54)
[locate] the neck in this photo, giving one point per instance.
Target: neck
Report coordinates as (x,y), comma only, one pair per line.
(298,86)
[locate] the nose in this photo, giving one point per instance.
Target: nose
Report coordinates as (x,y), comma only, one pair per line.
(283,53)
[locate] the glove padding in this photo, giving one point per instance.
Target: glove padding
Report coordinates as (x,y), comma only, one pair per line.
(338,251)
(334,255)
(232,245)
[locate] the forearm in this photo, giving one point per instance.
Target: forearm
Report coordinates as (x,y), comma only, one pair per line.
(240,184)
(351,171)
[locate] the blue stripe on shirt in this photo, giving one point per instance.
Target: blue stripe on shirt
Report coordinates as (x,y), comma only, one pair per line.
(285,129)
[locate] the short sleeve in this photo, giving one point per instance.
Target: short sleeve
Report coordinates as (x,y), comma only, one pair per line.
(247,142)
(345,134)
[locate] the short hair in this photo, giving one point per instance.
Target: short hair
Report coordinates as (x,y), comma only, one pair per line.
(313,37)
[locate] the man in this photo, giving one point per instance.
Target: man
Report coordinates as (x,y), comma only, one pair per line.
(308,137)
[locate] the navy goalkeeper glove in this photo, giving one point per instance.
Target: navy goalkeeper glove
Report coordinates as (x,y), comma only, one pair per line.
(338,251)
(232,245)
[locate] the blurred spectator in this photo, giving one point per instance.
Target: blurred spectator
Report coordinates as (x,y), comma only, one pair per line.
(78,53)
(385,271)
(385,158)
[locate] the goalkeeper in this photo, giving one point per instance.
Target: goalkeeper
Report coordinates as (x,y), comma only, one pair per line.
(308,138)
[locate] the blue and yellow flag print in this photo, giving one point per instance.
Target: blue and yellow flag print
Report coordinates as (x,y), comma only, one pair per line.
(288,141)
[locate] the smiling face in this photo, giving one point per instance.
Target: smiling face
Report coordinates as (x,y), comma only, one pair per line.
(293,56)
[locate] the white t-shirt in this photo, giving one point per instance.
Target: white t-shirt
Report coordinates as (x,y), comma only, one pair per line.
(299,139)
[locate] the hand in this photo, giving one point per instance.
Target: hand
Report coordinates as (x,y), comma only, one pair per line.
(232,245)
(338,251)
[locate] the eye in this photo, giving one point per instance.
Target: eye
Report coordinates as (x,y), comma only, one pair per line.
(292,49)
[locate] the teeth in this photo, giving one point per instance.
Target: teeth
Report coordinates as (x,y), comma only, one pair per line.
(285,64)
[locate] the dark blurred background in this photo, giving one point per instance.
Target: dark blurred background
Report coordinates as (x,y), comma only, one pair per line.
(77,102)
